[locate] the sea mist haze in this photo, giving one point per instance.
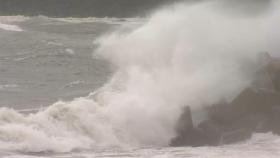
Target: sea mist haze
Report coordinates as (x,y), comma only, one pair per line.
(116,87)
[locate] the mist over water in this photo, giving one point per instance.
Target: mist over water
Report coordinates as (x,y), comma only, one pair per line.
(184,55)
(193,55)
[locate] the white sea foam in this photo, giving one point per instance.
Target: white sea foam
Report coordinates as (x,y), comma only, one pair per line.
(260,146)
(9,27)
(7,22)
(70,51)
(8,86)
(74,83)
(102,20)
(183,55)
(13,19)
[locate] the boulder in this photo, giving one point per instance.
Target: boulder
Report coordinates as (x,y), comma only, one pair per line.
(251,111)
(187,134)
(249,101)
(269,74)
(235,136)
(274,120)
(251,122)
(193,138)
(185,122)
(255,109)
(223,113)
(255,101)
(212,132)
(276,81)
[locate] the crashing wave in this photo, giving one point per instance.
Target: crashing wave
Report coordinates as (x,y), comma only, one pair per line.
(186,55)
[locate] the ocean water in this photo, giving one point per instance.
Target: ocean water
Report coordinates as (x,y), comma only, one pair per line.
(115,87)
(44,60)
(260,146)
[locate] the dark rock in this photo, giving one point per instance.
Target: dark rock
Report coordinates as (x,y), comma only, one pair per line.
(274,122)
(269,74)
(217,133)
(251,122)
(185,122)
(251,111)
(212,132)
(243,128)
(187,134)
(255,101)
(223,113)
(255,109)
(249,101)
(276,81)
(236,136)
(194,137)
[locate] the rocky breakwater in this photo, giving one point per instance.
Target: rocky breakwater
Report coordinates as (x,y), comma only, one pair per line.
(255,109)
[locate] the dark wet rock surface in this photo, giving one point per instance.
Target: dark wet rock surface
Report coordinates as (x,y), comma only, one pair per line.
(255,110)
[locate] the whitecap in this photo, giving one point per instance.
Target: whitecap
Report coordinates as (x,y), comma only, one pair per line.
(106,20)
(13,19)
(8,86)
(9,27)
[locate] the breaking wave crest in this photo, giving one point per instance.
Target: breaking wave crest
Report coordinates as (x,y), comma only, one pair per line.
(9,27)
(6,23)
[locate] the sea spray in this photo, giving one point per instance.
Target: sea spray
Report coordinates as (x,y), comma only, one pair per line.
(183,55)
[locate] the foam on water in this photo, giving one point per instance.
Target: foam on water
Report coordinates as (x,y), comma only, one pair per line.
(6,22)
(13,19)
(260,146)
(183,55)
(8,86)
(9,27)
(102,20)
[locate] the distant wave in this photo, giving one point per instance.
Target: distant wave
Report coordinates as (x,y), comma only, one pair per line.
(102,20)
(9,27)
(8,22)
(13,19)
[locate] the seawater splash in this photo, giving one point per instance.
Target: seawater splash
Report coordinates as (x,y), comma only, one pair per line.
(183,55)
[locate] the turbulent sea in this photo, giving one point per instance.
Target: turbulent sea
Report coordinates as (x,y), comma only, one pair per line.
(72,88)
(45,59)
